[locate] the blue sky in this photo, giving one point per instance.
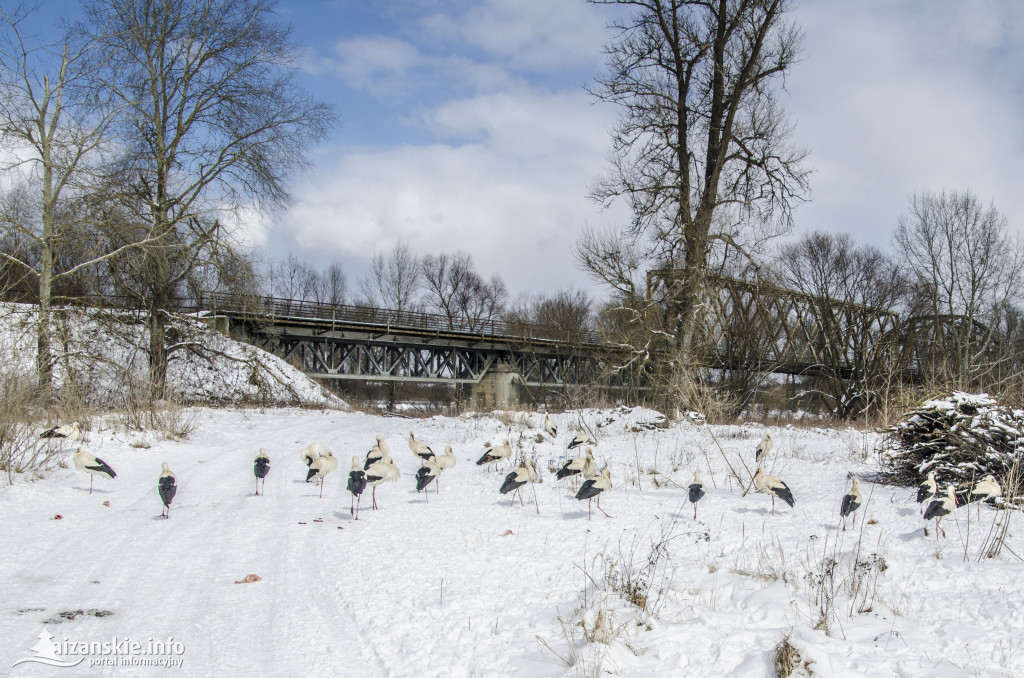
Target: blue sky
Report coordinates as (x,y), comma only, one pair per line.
(464,124)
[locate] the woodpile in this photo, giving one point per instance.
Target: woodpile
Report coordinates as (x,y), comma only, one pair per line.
(961,438)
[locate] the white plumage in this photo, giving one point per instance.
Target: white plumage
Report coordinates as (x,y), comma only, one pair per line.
(320,467)
(383,471)
(926,490)
(72,431)
(428,472)
(763,448)
(421,450)
(579,440)
(851,502)
(314,451)
(939,508)
(94,467)
(985,489)
(595,487)
(356,485)
(495,455)
(549,427)
(514,481)
(773,485)
(584,465)
(376,453)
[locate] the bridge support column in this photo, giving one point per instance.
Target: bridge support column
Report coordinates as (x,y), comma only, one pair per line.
(499,388)
(219,323)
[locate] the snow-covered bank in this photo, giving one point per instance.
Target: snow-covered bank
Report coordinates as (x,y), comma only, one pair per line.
(101,358)
(466,584)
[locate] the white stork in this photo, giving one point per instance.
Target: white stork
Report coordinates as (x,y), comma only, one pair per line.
(427,473)
(383,471)
(319,469)
(72,431)
(584,465)
(987,488)
(595,487)
(495,455)
(579,440)
(773,485)
(696,492)
(91,465)
(852,501)
(314,451)
(376,453)
(926,490)
(167,487)
(421,450)
(763,448)
(356,485)
(939,508)
(444,461)
(260,468)
(549,426)
(514,481)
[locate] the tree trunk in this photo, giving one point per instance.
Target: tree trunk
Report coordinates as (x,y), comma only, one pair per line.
(158,346)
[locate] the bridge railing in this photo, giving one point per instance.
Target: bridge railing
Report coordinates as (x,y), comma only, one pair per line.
(280,308)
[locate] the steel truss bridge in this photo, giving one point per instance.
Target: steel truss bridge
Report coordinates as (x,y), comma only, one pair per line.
(749,326)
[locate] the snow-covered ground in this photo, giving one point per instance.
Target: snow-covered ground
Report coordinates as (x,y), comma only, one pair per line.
(100,358)
(467,585)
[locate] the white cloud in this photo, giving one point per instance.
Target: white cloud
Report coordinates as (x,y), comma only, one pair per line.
(893,100)
(514,197)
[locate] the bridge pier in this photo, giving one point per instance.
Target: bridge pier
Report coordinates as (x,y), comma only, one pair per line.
(500,388)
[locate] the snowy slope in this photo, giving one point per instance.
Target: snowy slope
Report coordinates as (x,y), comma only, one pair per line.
(465,584)
(100,356)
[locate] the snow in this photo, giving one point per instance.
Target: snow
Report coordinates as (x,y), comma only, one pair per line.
(100,356)
(467,585)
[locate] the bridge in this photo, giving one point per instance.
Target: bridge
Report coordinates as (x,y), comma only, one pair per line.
(495,358)
(752,326)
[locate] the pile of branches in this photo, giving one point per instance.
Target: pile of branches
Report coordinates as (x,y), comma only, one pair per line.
(961,438)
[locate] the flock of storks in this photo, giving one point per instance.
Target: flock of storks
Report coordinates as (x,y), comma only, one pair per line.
(377,467)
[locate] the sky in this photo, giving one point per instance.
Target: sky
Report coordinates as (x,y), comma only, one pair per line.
(464,125)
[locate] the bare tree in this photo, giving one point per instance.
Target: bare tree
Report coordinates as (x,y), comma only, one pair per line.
(52,125)
(701,135)
(454,289)
(966,269)
(850,296)
(214,120)
(393,280)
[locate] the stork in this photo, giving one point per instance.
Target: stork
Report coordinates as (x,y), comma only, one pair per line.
(72,431)
(580,465)
(579,440)
(772,485)
(926,490)
(376,453)
(696,492)
(383,471)
(91,465)
(987,488)
(310,453)
(167,487)
(319,469)
(549,426)
(514,481)
(260,468)
(595,487)
(763,448)
(852,501)
(495,455)
(444,461)
(939,508)
(427,473)
(421,450)
(356,485)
